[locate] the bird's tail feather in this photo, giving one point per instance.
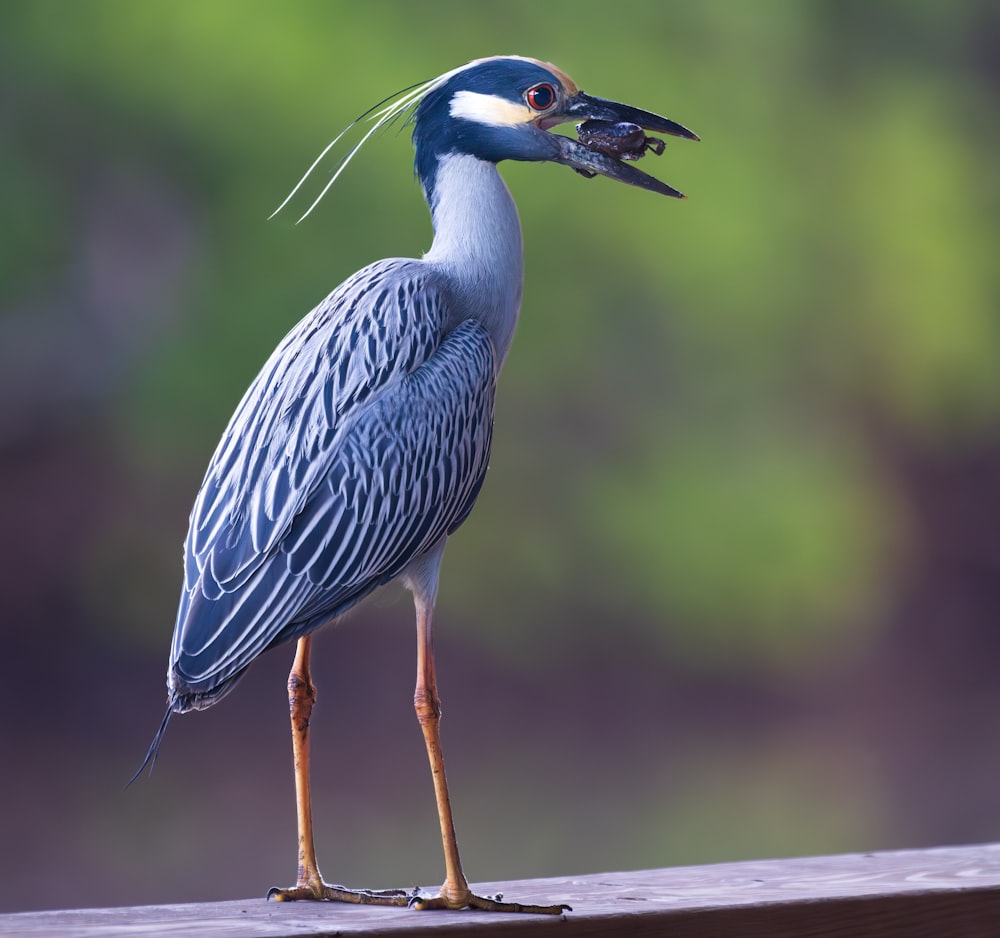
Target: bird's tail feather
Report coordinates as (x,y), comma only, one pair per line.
(154,747)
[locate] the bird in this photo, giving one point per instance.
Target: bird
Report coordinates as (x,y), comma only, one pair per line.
(363,443)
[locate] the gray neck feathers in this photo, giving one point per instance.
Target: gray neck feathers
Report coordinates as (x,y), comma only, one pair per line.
(477,245)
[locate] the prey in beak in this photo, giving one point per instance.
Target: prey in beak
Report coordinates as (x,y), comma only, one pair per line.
(611,134)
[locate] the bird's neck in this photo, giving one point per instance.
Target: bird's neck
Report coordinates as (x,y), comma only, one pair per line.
(477,244)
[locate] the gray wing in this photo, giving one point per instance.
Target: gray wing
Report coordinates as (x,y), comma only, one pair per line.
(362,442)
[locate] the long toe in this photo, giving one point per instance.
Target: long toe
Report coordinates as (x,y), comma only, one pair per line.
(324,892)
(484,903)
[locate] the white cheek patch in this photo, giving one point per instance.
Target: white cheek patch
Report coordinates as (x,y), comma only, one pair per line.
(489,109)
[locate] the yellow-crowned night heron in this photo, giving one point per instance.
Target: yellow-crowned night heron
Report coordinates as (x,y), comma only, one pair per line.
(364,441)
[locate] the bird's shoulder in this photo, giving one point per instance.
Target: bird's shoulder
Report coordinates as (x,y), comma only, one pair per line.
(377,327)
(379,324)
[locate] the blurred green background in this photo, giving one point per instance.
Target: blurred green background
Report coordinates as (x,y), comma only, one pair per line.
(732,586)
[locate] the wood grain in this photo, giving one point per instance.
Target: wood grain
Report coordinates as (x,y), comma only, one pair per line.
(947,892)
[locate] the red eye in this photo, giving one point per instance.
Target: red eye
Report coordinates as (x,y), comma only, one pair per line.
(541,96)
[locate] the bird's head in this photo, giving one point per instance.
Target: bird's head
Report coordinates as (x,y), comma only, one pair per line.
(504,108)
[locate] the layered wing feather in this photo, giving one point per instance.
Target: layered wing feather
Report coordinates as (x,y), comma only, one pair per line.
(363,441)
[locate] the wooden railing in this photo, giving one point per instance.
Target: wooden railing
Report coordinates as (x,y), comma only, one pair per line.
(947,892)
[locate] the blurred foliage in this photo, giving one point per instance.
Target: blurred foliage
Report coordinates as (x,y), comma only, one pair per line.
(696,425)
(711,365)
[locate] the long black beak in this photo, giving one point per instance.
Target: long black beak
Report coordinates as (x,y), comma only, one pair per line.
(588,160)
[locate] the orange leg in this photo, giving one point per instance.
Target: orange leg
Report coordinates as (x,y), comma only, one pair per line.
(309,883)
(455,892)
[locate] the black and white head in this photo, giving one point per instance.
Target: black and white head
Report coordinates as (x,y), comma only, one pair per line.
(504,108)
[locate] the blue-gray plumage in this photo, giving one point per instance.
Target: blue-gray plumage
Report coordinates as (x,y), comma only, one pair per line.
(364,441)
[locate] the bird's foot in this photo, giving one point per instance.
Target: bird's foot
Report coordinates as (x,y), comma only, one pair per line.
(447,899)
(324,892)
(466,899)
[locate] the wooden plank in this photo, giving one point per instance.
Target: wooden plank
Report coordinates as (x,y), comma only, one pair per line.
(937,893)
